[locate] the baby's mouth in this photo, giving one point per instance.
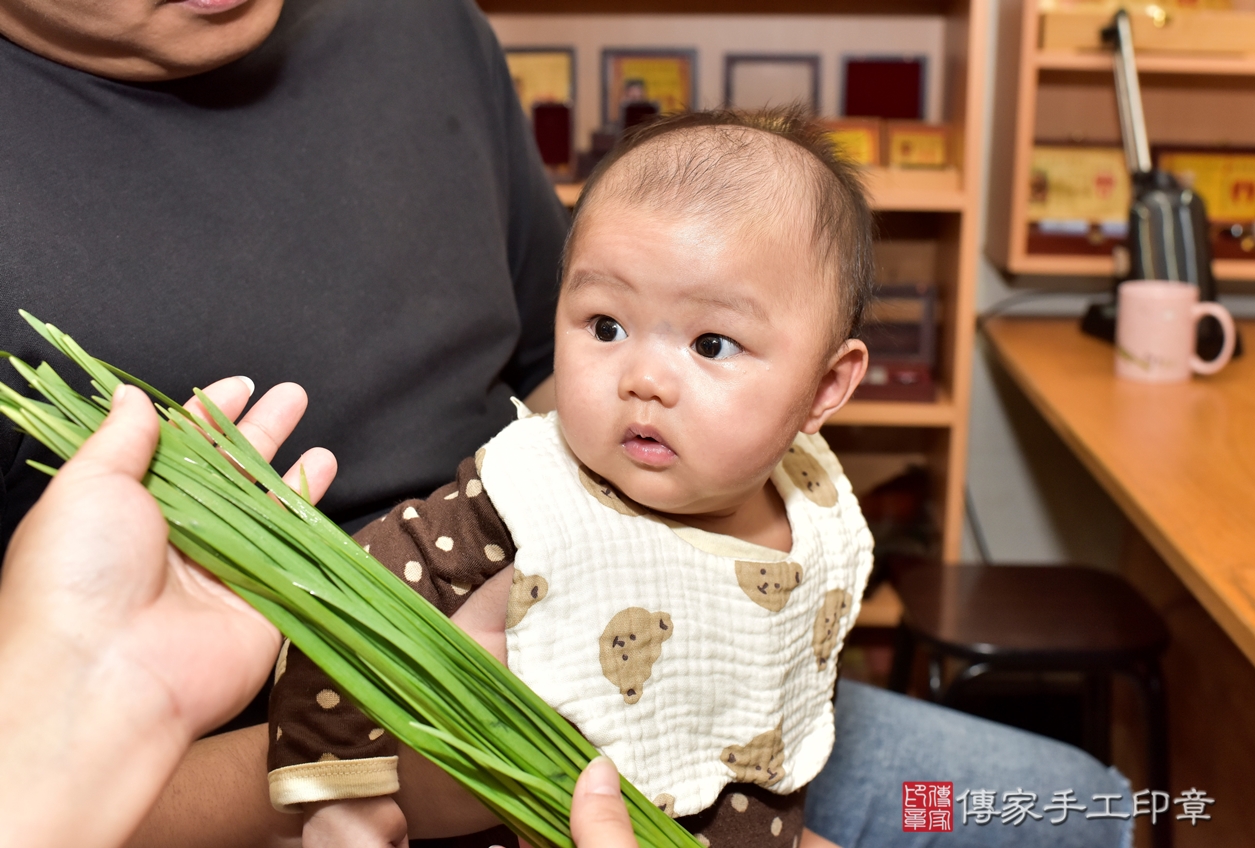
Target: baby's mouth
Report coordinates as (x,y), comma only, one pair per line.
(645,445)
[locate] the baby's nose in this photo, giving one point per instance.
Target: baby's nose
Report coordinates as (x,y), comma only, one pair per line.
(649,376)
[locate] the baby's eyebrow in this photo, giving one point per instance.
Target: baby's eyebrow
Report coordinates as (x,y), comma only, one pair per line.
(584,278)
(741,304)
(733,303)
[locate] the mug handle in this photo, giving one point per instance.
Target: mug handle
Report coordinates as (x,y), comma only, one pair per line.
(1215,310)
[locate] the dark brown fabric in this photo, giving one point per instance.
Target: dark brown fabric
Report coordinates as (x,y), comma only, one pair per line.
(743,816)
(749,816)
(447,547)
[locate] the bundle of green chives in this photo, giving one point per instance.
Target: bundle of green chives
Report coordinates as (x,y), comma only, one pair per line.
(396,656)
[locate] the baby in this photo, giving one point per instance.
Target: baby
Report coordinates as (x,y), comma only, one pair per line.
(687,554)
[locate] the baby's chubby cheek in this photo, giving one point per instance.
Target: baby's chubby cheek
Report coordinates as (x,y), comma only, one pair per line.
(587,430)
(595,431)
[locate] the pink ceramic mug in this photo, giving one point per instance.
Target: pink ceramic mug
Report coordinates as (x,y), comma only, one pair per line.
(1156,325)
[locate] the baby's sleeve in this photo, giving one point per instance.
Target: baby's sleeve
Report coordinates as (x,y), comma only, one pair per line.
(322,747)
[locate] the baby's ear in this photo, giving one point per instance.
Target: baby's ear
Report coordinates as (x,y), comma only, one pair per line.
(845,371)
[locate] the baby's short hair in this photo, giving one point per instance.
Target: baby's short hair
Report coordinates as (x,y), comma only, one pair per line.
(713,162)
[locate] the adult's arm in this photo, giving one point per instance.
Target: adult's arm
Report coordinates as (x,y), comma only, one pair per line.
(218,798)
(123,651)
(544,398)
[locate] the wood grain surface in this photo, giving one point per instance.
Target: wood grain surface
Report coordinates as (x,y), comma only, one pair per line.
(1180,462)
(1178,459)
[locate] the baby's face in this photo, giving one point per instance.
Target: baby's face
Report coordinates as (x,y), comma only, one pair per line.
(688,353)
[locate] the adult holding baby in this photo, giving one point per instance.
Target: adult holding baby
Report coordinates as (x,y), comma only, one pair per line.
(341,194)
(344,194)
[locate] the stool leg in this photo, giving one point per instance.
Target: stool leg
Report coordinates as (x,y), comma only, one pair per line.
(903,660)
(934,677)
(1096,730)
(1157,730)
(964,677)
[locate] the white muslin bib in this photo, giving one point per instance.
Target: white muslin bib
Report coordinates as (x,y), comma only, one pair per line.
(691,659)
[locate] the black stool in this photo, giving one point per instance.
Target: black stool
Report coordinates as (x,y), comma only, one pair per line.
(1026,618)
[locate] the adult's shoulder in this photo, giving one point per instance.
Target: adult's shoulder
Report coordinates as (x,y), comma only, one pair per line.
(351,207)
(445,36)
(436,58)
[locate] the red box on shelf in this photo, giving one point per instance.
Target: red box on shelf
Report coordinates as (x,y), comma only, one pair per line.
(901,338)
(903,381)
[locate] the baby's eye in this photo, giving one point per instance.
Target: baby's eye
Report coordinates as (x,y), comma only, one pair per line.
(714,346)
(607,329)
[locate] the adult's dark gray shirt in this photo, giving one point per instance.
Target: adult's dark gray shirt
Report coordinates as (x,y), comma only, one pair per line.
(356,206)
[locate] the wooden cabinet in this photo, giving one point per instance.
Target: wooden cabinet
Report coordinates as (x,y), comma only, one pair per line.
(933,214)
(1068,96)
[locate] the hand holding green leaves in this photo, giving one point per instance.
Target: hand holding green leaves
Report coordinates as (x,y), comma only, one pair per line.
(123,650)
(396,656)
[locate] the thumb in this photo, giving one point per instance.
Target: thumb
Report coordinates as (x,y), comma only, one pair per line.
(125,442)
(599,818)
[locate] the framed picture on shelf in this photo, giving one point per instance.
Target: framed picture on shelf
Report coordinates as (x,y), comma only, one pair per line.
(901,336)
(542,75)
(890,87)
(761,80)
(544,79)
(1224,177)
(632,77)
(1078,199)
(858,139)
(913,144)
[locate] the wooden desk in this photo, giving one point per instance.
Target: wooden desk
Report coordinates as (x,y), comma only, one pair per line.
(1179,460)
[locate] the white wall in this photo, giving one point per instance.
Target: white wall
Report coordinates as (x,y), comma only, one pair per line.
(1032,499)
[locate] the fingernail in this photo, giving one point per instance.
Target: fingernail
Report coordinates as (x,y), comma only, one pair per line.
(118,391)
(247,382)
(602,777)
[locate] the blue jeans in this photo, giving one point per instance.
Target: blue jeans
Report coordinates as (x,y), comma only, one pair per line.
(885,739)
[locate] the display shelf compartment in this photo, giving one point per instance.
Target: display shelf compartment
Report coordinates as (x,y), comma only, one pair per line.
(877,413)
(1203,100)
(1103,266)
(882,609)
(1148,63)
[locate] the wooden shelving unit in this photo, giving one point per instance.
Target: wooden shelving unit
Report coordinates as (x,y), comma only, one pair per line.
(1083,60)
(938,208)
(902,190)
(939,413)
(1190,99)
(1103,266)
(882,609)
(891,190)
